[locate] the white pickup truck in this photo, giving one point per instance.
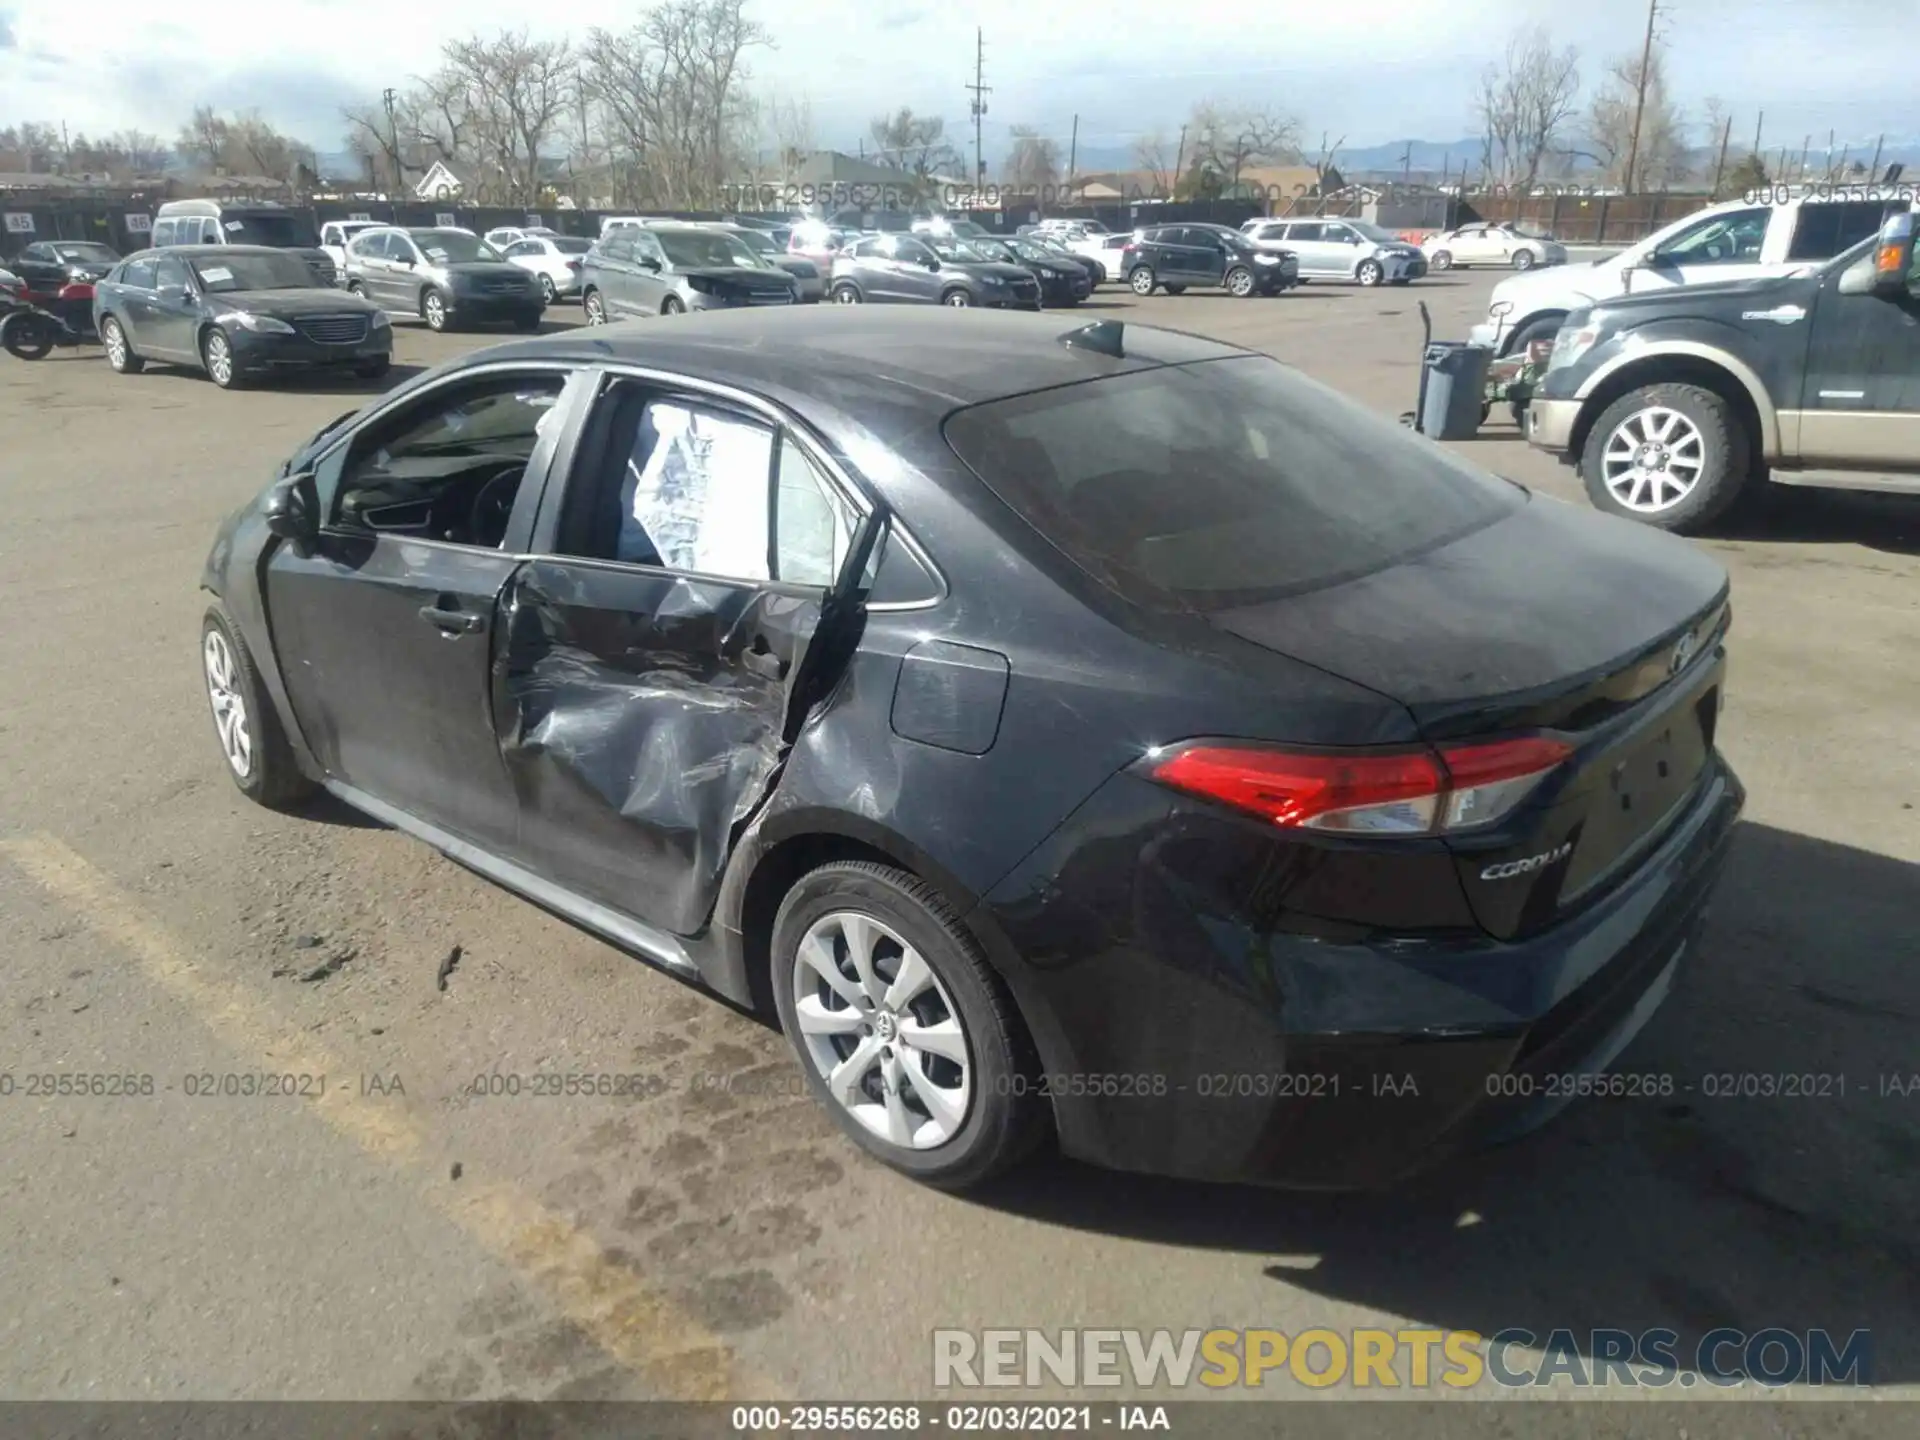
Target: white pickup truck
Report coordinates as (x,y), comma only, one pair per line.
(1736,240)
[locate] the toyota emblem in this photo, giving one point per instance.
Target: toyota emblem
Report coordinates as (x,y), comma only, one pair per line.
(1682,653)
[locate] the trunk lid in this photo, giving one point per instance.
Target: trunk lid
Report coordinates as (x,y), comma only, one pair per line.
(1601,632)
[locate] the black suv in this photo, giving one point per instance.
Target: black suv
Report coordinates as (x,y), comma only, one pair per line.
(1672,402)
(1173,257)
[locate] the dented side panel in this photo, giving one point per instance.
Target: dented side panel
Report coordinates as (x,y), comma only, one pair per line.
(642,716)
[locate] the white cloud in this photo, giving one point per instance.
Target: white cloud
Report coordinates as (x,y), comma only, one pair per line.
(1119,65)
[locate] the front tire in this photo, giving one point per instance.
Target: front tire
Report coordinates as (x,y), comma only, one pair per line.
(957,299)
(1441,260)
(252,740)
(1523,260)
(1370,273)
(900,1026)
(216,357)
(120,354)
(547,291)
(1240,282)
(846,293)
(1674,456)
(671,306)
(1140,280)
(355,288)
(433,310)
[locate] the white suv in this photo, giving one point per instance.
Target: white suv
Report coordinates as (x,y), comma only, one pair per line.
(1334,248)
(1737,240)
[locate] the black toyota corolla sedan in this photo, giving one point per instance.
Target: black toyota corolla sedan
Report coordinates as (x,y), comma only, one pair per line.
(1098,731)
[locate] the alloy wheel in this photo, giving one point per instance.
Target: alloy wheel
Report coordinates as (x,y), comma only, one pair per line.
(846,295)
(547,292)
(1370,272)
(959,300)
(1240,284)
(1523,259)
(596,309)
(229,705)
(1141,281)
(435,311)
(116,342)
(881,1031)
(1442,260)
(1653,459)
(219,357)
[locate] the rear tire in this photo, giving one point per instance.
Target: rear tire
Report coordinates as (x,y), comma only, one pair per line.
(998,1118)
(846,293)
(547,291)
(252,740)
(595,307)
(27,336)
(1687,423)
(120,356)
(1140,280)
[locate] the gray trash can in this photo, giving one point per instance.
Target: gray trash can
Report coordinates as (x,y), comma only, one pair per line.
(1453,389)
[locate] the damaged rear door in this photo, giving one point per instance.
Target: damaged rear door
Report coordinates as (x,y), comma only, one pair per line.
(655,646)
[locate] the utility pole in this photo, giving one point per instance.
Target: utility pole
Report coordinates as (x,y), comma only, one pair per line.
(1758,122)
(1874,169)
(1406,163)
(1073,151)
(389,97)
(1805,147)
(980,90)
(1640,98)
(1720,167)
(1179,163)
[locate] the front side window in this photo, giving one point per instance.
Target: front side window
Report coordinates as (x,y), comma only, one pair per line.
(1220,483)
(170,274)
(912,252)
(446,468)
(1729,239)
(138,274)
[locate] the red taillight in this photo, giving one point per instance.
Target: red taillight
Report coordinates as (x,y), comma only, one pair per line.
(1368,792)
(573,264)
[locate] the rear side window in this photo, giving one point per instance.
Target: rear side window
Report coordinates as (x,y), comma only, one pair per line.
(1822,231)
(1220,483)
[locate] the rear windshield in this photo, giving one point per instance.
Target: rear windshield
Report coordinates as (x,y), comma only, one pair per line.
(1221,483)
(281,231)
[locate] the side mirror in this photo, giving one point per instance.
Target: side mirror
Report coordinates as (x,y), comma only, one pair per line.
(931,264)
(292,512)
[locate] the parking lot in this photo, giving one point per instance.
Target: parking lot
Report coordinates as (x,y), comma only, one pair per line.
(401,1233)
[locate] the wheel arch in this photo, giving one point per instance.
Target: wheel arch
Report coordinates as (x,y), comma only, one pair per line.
(1519,326)
(773,855)
(1681,363)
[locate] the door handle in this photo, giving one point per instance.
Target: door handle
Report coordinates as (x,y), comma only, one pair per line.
(452,621)
(763,661)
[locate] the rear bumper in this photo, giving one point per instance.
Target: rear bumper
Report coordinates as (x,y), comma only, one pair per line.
(1181,1038)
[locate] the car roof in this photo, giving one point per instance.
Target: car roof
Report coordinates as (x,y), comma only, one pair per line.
(802,354)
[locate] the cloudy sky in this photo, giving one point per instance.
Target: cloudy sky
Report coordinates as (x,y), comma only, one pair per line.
(1370,73)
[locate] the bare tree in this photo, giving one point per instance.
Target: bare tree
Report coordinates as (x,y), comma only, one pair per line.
(512,92)
(672,97)
(1151,155)
(1224,141)
(1662,152)
(791,124)
(1525,102)
(914,143)
(203,139)
(1033,162)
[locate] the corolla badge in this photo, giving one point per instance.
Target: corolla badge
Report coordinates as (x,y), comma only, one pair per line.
(1506,870)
